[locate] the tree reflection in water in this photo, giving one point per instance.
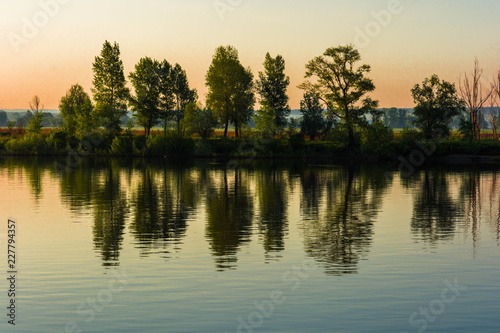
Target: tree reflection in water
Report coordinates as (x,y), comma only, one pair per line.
(435,211)
(154,200)
(162,201)
(229,216)
(273,195)
(339,207)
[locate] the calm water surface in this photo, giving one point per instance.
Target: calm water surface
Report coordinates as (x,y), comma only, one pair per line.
(150,246)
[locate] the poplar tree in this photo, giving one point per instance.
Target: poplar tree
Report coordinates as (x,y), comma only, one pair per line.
(272,87)
(109,88)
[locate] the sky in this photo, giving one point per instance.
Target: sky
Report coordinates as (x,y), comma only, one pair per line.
(48,45)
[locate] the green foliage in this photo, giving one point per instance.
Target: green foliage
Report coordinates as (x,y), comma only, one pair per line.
(182,94)
(408,139)
(146,104)
(122,145)
(272,86)
(171,145)
(265,119)
(313,122)
(35,124)
(293,126)
(3,142)
(377,139)
(230,89)
(436,105)
(342,87)
(224,146)
(109,88)
(200,121)
(167,103)
(10,125)
(339,135)
(466,128)
(204,148)
(77,112)
(58,141)
(296,142)
(140,143)
(33,143)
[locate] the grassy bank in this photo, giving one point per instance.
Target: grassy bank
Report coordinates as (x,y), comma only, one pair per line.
(383,147)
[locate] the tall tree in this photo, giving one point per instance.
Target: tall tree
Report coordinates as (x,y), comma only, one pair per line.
(342,87)
(167,101)
(77,111)
(230,87)
(471,91)
(272,87)
(35,123)
(436,105)
(110,93)
(313,121)
(181,93)
(146,104)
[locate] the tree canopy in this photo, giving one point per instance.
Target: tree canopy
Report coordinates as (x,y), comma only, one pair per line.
(182,94)
(76,109)
(146,104)
(313,121)
(272,87)
(230,87)
(342,87)
(109,88)
(436,105)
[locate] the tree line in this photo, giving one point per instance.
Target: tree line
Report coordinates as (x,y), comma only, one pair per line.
(336,98)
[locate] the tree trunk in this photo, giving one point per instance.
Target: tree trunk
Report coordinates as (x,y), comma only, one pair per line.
(352,141)
(225,130)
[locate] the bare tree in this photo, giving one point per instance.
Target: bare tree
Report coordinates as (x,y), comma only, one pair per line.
(493,116)
(35,124)
(36,105)
(471,91)
(495,99)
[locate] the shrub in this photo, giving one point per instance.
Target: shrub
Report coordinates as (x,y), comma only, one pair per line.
(377,139)
(57,140)
(140,143)
(123,145)
(203,148)
(408,139)
(296,142)
(33,143)
(339,136)
(169,146)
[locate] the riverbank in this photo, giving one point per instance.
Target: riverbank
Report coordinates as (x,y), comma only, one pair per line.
(401,147)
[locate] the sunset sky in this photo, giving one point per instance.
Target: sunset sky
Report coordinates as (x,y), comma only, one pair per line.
(48,45)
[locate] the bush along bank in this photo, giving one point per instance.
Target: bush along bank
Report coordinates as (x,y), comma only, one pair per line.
(375,144)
